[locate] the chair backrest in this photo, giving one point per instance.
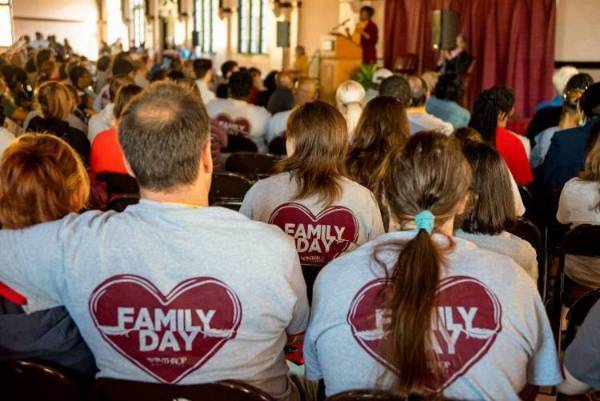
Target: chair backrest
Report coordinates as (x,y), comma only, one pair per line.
(406,63)
(122,390)
(119,183)
(578,313)
(529,232)
(239,143)
(252,165)
(582,240)
(371,395)
(228,187)
(277,146)
(28,381)
(118,203)
(232,205)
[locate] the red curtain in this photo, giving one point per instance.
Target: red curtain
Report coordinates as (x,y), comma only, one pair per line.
(511,40)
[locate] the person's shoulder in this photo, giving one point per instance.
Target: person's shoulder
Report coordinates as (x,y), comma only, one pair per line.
(354,189)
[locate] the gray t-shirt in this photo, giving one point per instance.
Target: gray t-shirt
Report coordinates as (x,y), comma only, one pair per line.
(582,358)
(493,335)
(167,293)
(321,233)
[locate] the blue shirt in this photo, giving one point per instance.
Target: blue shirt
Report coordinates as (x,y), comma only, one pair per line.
(556,102)
(448,111)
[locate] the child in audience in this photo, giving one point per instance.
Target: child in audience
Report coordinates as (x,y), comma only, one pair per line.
(169,290)
(381,133)
(41,179)
(491,208)
(421,311)
(106,155)
(580,204)
(312,201)
(56,104)
(350,96)
(493,108)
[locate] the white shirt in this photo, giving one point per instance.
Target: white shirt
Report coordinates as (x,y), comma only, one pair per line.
(420,120)
(238,117)
(101,121)
(102,99)
(525,141)
(206,94)
(321,233)
(6,137)
(278,125)
(492,335)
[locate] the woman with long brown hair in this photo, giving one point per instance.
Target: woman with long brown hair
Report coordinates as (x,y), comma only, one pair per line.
(422,312)
(41,179)
(312,200)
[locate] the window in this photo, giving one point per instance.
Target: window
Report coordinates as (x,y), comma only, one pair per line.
(138,17)
(6,35)
(205,18)
(252,26)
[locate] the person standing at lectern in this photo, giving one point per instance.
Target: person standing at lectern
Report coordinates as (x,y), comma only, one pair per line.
(456,61)
(366,33)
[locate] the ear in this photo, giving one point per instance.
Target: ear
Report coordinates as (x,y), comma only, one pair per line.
(206,162)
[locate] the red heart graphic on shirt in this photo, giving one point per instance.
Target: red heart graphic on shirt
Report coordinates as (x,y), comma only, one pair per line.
(167,336)
(238,126)
(468,321)
(321,238)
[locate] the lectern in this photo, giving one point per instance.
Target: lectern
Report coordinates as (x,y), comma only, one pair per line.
(340,57)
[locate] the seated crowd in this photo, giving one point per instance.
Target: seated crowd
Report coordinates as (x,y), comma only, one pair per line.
(381,250)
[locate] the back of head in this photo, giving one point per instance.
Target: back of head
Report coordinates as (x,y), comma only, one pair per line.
(124,96)
(320,141)
(270,81)
(425,185)
(201,67)
(284,80)
(489,105)
(55,100)
(418,91)
(240,85)
(103,63)
(227,68)
(42,56)
(122,65)
(573,92)
(562,76)
(590,101)
(116,82)
(163,132)
(491,208)
(396,87)
(76,73)
(306,91)
(381,134)
(350,96)
(41,179)
(448,87)
(467,134)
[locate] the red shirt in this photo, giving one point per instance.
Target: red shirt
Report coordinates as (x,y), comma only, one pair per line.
(515,156)
(106,155)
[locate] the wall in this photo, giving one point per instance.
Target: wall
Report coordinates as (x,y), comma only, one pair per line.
(76,20)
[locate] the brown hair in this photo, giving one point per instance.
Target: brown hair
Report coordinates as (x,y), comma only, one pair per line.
(116,83)
(381,133)
(124,96)
(491,208)
(163,132)
(431,174)
(591,171)
(41,179)
(55,100)
(467,134)
(321,144)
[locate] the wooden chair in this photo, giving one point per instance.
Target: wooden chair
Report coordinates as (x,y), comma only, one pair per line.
(228,187)
(406,64)
(371,395)
(33,381)
(229,390)
(579,241)
(578,313)
(528,231)
(252,165)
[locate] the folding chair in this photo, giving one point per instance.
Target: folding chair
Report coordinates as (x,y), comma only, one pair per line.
(528,231)
(578,313)
(32,381)
(122,190)
(582,240)
(229,390)
(252,165)
(228,187)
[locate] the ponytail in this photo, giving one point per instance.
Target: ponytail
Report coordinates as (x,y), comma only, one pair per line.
(486,110)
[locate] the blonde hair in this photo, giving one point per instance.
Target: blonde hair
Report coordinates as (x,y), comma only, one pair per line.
(350,96)
(41,179)
(55,100)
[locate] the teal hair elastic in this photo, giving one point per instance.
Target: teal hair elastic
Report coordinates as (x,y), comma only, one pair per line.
(425,221)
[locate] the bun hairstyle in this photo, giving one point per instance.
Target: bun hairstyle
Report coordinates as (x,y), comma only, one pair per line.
(350,96)
(426,183)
